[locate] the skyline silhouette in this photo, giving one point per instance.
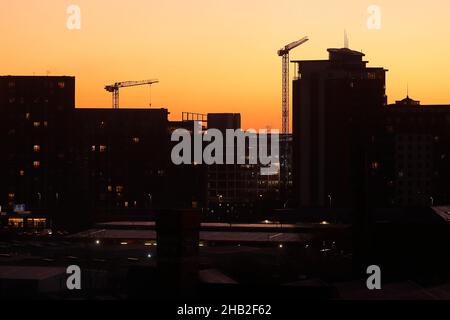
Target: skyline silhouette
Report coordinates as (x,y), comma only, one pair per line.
(220,56)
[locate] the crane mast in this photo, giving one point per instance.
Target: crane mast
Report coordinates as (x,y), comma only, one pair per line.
(284,53)
(114,88)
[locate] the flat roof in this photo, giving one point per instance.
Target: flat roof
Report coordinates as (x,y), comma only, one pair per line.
(215,276)
(29,273)
(213,236)
(257,226)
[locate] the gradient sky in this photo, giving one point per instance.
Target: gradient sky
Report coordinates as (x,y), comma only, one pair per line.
(220,55)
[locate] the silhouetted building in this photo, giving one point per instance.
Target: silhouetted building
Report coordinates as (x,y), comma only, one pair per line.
(410,163)
(352,150)
(35,113)
(224,121)
(332,101)
(72,165)
(178,238)
(76,166)
(121,159)
(189,189)
(238,190)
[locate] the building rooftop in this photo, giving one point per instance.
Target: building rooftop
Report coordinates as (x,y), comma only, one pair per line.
(214,236)
(408,102)
(345,51)
(30,273)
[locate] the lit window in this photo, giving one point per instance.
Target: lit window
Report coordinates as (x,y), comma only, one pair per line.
(36,164)
(119,189)
(93,148)
(102,148)
(46,124)
(375,165)
(110,188)
(36,124)
(22,173)
(136,140)
(37,148)
(15,222)
(11,196)
(126,204)
(61,84)
(27,116)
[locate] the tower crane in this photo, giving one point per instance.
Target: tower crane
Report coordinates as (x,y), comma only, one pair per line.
(284,53)
(114,88)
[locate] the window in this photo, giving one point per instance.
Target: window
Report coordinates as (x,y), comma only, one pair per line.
(27,116)
(102,149)
(61,84)
(136,140)
(11,196)
(36,148)
(36,124)
(22,173)
(93,148)
(119,189)
(36,164)
(15,222)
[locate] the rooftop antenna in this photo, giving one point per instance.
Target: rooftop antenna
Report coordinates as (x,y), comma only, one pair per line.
(346,42)
(407,90)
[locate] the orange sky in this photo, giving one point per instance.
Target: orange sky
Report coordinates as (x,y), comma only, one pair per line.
(220,55)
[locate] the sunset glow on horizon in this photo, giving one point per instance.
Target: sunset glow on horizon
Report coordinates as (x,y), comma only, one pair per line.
(220,56)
